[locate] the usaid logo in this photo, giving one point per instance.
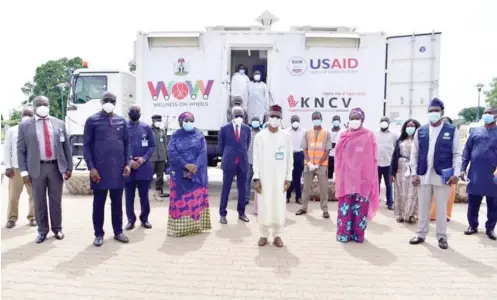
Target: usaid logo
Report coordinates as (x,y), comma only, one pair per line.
(297,65)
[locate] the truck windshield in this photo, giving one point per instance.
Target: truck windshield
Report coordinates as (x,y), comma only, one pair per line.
(89,87)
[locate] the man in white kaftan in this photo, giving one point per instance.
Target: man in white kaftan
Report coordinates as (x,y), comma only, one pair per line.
(273,166)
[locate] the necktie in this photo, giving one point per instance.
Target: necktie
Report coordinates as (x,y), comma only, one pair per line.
(237,137)
(46,133)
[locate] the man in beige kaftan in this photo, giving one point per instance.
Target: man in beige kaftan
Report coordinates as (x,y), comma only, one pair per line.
(273,166)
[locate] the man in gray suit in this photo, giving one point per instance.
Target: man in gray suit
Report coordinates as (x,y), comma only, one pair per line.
(44,156)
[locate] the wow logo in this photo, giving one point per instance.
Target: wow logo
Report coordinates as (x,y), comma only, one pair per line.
(179,90)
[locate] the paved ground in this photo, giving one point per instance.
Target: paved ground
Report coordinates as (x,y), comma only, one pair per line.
(227,264)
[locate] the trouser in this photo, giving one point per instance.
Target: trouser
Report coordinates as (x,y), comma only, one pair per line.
(276,229)
(322,174)
(142,186)
(158,167)
(474,202)
(116,205)
(241,182)
(298,169)
(331,167)
(16,185)
(248,187)
(385,173)
(51,181)
(440,195)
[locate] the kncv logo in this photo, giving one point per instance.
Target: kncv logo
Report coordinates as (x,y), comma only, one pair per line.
(334,65)
(180,90)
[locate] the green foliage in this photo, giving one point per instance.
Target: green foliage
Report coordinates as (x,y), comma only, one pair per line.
(471,114)
(491,93)
(49,80)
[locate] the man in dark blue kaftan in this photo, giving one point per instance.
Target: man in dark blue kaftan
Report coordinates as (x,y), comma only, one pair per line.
(142,145)
(107,155)
(480,153)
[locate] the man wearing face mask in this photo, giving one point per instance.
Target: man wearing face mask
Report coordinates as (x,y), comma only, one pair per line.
(480,153)
(233,142)
(108,157)
(435,161)
(258,101)
(237,101)
(335,136)
(255,126)
(386,141)
(317,146)
(16,183)
(159,157)
(142,143)
(239,85)
(297,133)
(45,160)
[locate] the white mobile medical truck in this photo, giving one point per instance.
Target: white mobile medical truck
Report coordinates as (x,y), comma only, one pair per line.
(307,69)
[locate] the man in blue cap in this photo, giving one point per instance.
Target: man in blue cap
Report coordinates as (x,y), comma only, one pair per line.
(435,161)
(481,151)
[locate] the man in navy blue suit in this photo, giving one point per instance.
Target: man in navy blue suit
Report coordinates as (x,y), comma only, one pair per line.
(234,141)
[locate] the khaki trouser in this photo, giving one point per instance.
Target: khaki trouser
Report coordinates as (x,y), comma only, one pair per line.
(322,174)
(15,189)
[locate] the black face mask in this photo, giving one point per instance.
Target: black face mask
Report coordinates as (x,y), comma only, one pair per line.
(134,115)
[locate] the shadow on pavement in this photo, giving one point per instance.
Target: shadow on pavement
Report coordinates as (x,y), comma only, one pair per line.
(281,260)
(27,251)
(89,258)
(20,229)
(178,246)
(326,224)
(378,228)
(235,233)
(136,235)
(370,252)
(460,261)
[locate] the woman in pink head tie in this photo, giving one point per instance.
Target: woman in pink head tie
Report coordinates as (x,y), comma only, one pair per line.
(356,162)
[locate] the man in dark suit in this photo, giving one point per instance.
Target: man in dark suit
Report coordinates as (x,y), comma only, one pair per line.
(234,142)
(45,160)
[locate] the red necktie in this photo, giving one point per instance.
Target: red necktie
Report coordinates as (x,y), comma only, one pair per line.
(237,137)
(46,133)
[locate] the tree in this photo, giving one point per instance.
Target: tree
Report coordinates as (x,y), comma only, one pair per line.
(469,114)
(491,94)
(47,82)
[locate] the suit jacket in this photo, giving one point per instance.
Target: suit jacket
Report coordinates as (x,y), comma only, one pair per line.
(28,150)
(232,149)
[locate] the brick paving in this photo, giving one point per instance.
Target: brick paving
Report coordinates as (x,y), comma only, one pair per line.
(227,264)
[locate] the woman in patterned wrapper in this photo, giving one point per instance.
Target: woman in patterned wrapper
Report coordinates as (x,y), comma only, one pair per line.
(189,204)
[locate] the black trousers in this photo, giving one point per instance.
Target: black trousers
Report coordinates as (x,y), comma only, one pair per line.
(158,167)
(116,205)
(331,166)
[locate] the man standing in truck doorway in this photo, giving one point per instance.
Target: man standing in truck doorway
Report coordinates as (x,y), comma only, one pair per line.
(258,97)
(386,140)
(159,157)
(239,85)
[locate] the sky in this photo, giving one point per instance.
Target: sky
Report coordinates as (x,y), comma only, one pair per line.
(102,32)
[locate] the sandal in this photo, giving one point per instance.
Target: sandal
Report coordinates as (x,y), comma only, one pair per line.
(400,220)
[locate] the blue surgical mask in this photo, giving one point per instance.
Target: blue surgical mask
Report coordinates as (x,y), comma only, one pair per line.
(410,130)
(434,117)
(188,126)
(256,124)
(316,122)
(336,123)
(488,118)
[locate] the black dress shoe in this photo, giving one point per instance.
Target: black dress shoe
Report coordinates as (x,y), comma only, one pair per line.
(390,207)
(146,225)
(301,212)
(121,238)
(41,238)
(298,201)
(99,241)
(244,218)
(416,240)
(10,224)
(59,235)
(223,220)
(442,243)
(130,226)
(470,231)
(32,223)
(164,195)
(491,235)
(326,215)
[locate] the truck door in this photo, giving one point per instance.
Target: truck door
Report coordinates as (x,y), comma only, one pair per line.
(412,75)
(226,77)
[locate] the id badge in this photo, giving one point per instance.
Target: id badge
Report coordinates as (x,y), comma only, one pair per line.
(161,139)
(279,155)
(62,139)
(144,143)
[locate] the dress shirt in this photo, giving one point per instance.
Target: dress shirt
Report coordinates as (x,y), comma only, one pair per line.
(10,148)
(297,138)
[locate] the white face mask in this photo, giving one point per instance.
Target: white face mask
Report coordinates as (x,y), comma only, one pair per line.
(25,118)
(242,71)
(257,77)
(355,124)
(274,122)
(295,124)
(384,125)
(157,124)
(42,111)
(108,107)
(238,121)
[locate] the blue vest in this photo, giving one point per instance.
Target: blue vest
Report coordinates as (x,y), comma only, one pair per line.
(443,149)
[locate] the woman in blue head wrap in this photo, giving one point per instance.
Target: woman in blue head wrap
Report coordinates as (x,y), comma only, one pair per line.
(189,203)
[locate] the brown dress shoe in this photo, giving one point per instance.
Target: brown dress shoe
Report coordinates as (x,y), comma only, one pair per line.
(262,242)
(278,242)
